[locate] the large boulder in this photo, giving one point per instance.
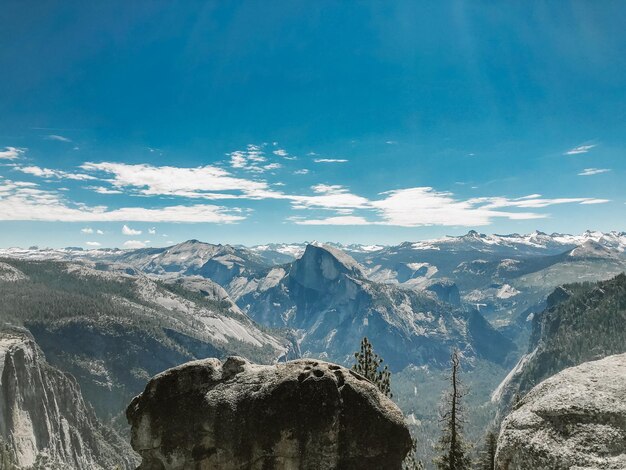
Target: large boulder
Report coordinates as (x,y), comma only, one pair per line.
(302,414)
(576,419)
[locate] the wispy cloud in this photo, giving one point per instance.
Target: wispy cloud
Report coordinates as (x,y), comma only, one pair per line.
(152,231)
(330,204)
(48,173)
(593,171)
(126,230)
(103,190)
(207,182)
(254,160)
(87,230)
(330,160)
(21,200)
(424,206)
(331,197)
(94,244)
(58,138)
(580,149)
(11,153)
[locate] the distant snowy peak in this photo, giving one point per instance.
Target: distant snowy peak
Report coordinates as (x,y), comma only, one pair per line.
(536,242)
(594,249)
(198,252)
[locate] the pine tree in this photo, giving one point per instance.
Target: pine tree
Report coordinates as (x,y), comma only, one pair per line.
(368,364)
(488,453)
(451,444)
(411,462)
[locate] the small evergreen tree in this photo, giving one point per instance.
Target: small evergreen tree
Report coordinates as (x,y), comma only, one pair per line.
(451,444)
(411,462)
(488,453)
(368,364)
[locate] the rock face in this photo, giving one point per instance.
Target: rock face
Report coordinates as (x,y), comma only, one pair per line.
(326,295)
(573,420)
(302,414)
(43,417)
(581,322)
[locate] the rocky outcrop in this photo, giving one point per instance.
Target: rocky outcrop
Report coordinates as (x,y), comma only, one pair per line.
(43,417)
(302,414)
(573,420)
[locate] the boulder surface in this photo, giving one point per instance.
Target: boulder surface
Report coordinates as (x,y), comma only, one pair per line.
(576,419)
(303,414)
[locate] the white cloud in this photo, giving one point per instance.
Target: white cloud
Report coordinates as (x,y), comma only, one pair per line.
(58,138)
(253,159)
(593,171)
(48,173)
(11,153)
(86,230)
(391,142)
(134,244)
(99,232)
(126,230)
(330,197)
(21,200)
(595,201)
(152,231)
(207,182)
(103,190)
(580,149)
(423,206)
(533,201)
(304,171)
(330,160)
(93,243)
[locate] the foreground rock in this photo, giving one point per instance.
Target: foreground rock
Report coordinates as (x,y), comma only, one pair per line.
(44,420)
(303,414)
(573,420)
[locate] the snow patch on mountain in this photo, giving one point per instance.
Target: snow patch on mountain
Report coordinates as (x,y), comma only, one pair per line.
(10,273)
(506,292)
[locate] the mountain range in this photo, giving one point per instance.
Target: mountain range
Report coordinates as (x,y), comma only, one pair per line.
(113,318)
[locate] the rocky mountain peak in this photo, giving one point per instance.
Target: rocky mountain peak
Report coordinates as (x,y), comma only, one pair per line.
(323,264)
(472,235)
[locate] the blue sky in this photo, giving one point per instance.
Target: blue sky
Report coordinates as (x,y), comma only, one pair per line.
(254,122)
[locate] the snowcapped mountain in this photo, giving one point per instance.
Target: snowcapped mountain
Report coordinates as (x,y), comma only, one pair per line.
(192,253)
(502,275)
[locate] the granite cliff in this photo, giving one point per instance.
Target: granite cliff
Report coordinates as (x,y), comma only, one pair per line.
(44,420)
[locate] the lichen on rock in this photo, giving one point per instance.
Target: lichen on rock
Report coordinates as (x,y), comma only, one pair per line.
(576,419)
(303,414)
